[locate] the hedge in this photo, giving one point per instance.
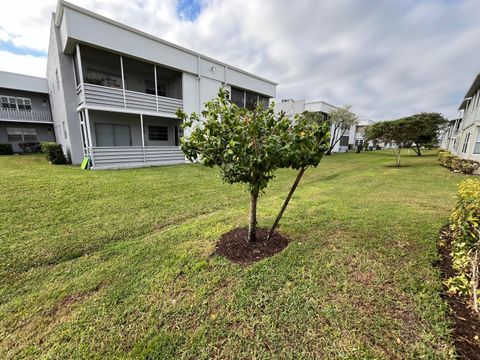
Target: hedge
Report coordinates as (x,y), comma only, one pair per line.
(466,240)
(6,149)
(53,152)
(457,164)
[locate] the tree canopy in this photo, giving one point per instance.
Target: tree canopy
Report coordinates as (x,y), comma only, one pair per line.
(249,145)
(413,131)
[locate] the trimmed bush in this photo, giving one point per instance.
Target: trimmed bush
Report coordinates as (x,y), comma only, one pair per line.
(30,147)
(6,149)
(53,152)
(465,228)
(457,164)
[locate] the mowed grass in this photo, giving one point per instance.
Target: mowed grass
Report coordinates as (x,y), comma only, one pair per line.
(116,264)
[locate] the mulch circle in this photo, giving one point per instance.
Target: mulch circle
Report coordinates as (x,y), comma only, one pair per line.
(235,247)
(467,322)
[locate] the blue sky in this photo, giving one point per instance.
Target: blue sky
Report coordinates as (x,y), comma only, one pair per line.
(387,58)
(189,9)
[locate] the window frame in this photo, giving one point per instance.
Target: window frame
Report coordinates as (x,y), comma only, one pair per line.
(465,143)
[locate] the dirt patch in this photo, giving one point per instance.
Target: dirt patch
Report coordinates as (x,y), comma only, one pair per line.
(235,247)
(467,323)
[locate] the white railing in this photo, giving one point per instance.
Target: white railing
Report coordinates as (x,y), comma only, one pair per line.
(104,96)
(26,115)
(112,157)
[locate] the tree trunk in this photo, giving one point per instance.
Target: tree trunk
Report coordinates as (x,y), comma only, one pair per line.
(252,225)
(418,151)
(398,157)
(475,280)
(285,203)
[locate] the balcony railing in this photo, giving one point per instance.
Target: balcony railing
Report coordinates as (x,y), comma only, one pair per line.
(103,96)
(26,115)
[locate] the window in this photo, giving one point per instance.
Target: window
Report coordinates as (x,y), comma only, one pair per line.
(359,142)
(112,135)
(465,143)
(250,100)
(24,104)
(247,99)
(158,133)
(344,141)
(8,102)
(238,97)
(22,134)
(476,148)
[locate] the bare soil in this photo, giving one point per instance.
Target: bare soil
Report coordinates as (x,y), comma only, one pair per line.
(466,321)
(235,247)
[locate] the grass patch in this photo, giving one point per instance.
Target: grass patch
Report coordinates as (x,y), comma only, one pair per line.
(110,264)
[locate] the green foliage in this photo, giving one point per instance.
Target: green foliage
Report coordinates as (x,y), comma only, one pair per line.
(53,152)
(465,228)
(457,164)
(6,149)
(419,129)
(30,147)
(249,145)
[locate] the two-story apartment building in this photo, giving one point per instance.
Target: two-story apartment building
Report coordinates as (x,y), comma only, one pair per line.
(291,107)
(114,90)
(25,115)
(462,137)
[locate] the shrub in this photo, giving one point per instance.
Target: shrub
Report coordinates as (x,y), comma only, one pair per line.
(30,147)
(53,152)
(6,149)
(466,240)
(457,164)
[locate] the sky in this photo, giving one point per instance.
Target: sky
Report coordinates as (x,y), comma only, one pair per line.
(386,58)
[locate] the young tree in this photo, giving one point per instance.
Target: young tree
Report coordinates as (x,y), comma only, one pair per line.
(388,131)
(247,145)
(341,119)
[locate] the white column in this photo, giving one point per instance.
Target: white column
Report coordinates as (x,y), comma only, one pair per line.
(156,91)
(143,137)
(79,63)
(123,82)
(89,132)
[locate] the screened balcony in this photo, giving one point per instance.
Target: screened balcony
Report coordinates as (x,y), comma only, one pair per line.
(108,80)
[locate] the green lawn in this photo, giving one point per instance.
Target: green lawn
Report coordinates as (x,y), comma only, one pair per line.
(115,264)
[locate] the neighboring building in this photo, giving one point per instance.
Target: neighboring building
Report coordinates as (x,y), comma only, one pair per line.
(114,90)
(25,115)
(462,137)
(292,107)
(359,137)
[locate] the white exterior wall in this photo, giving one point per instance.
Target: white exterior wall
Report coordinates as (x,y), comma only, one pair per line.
(61,85)
(467,126)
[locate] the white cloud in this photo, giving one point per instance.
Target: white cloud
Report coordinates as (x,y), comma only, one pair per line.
(387,58)
(25,64)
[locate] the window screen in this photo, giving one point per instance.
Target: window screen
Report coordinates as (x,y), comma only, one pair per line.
(158,133)
(237,97)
